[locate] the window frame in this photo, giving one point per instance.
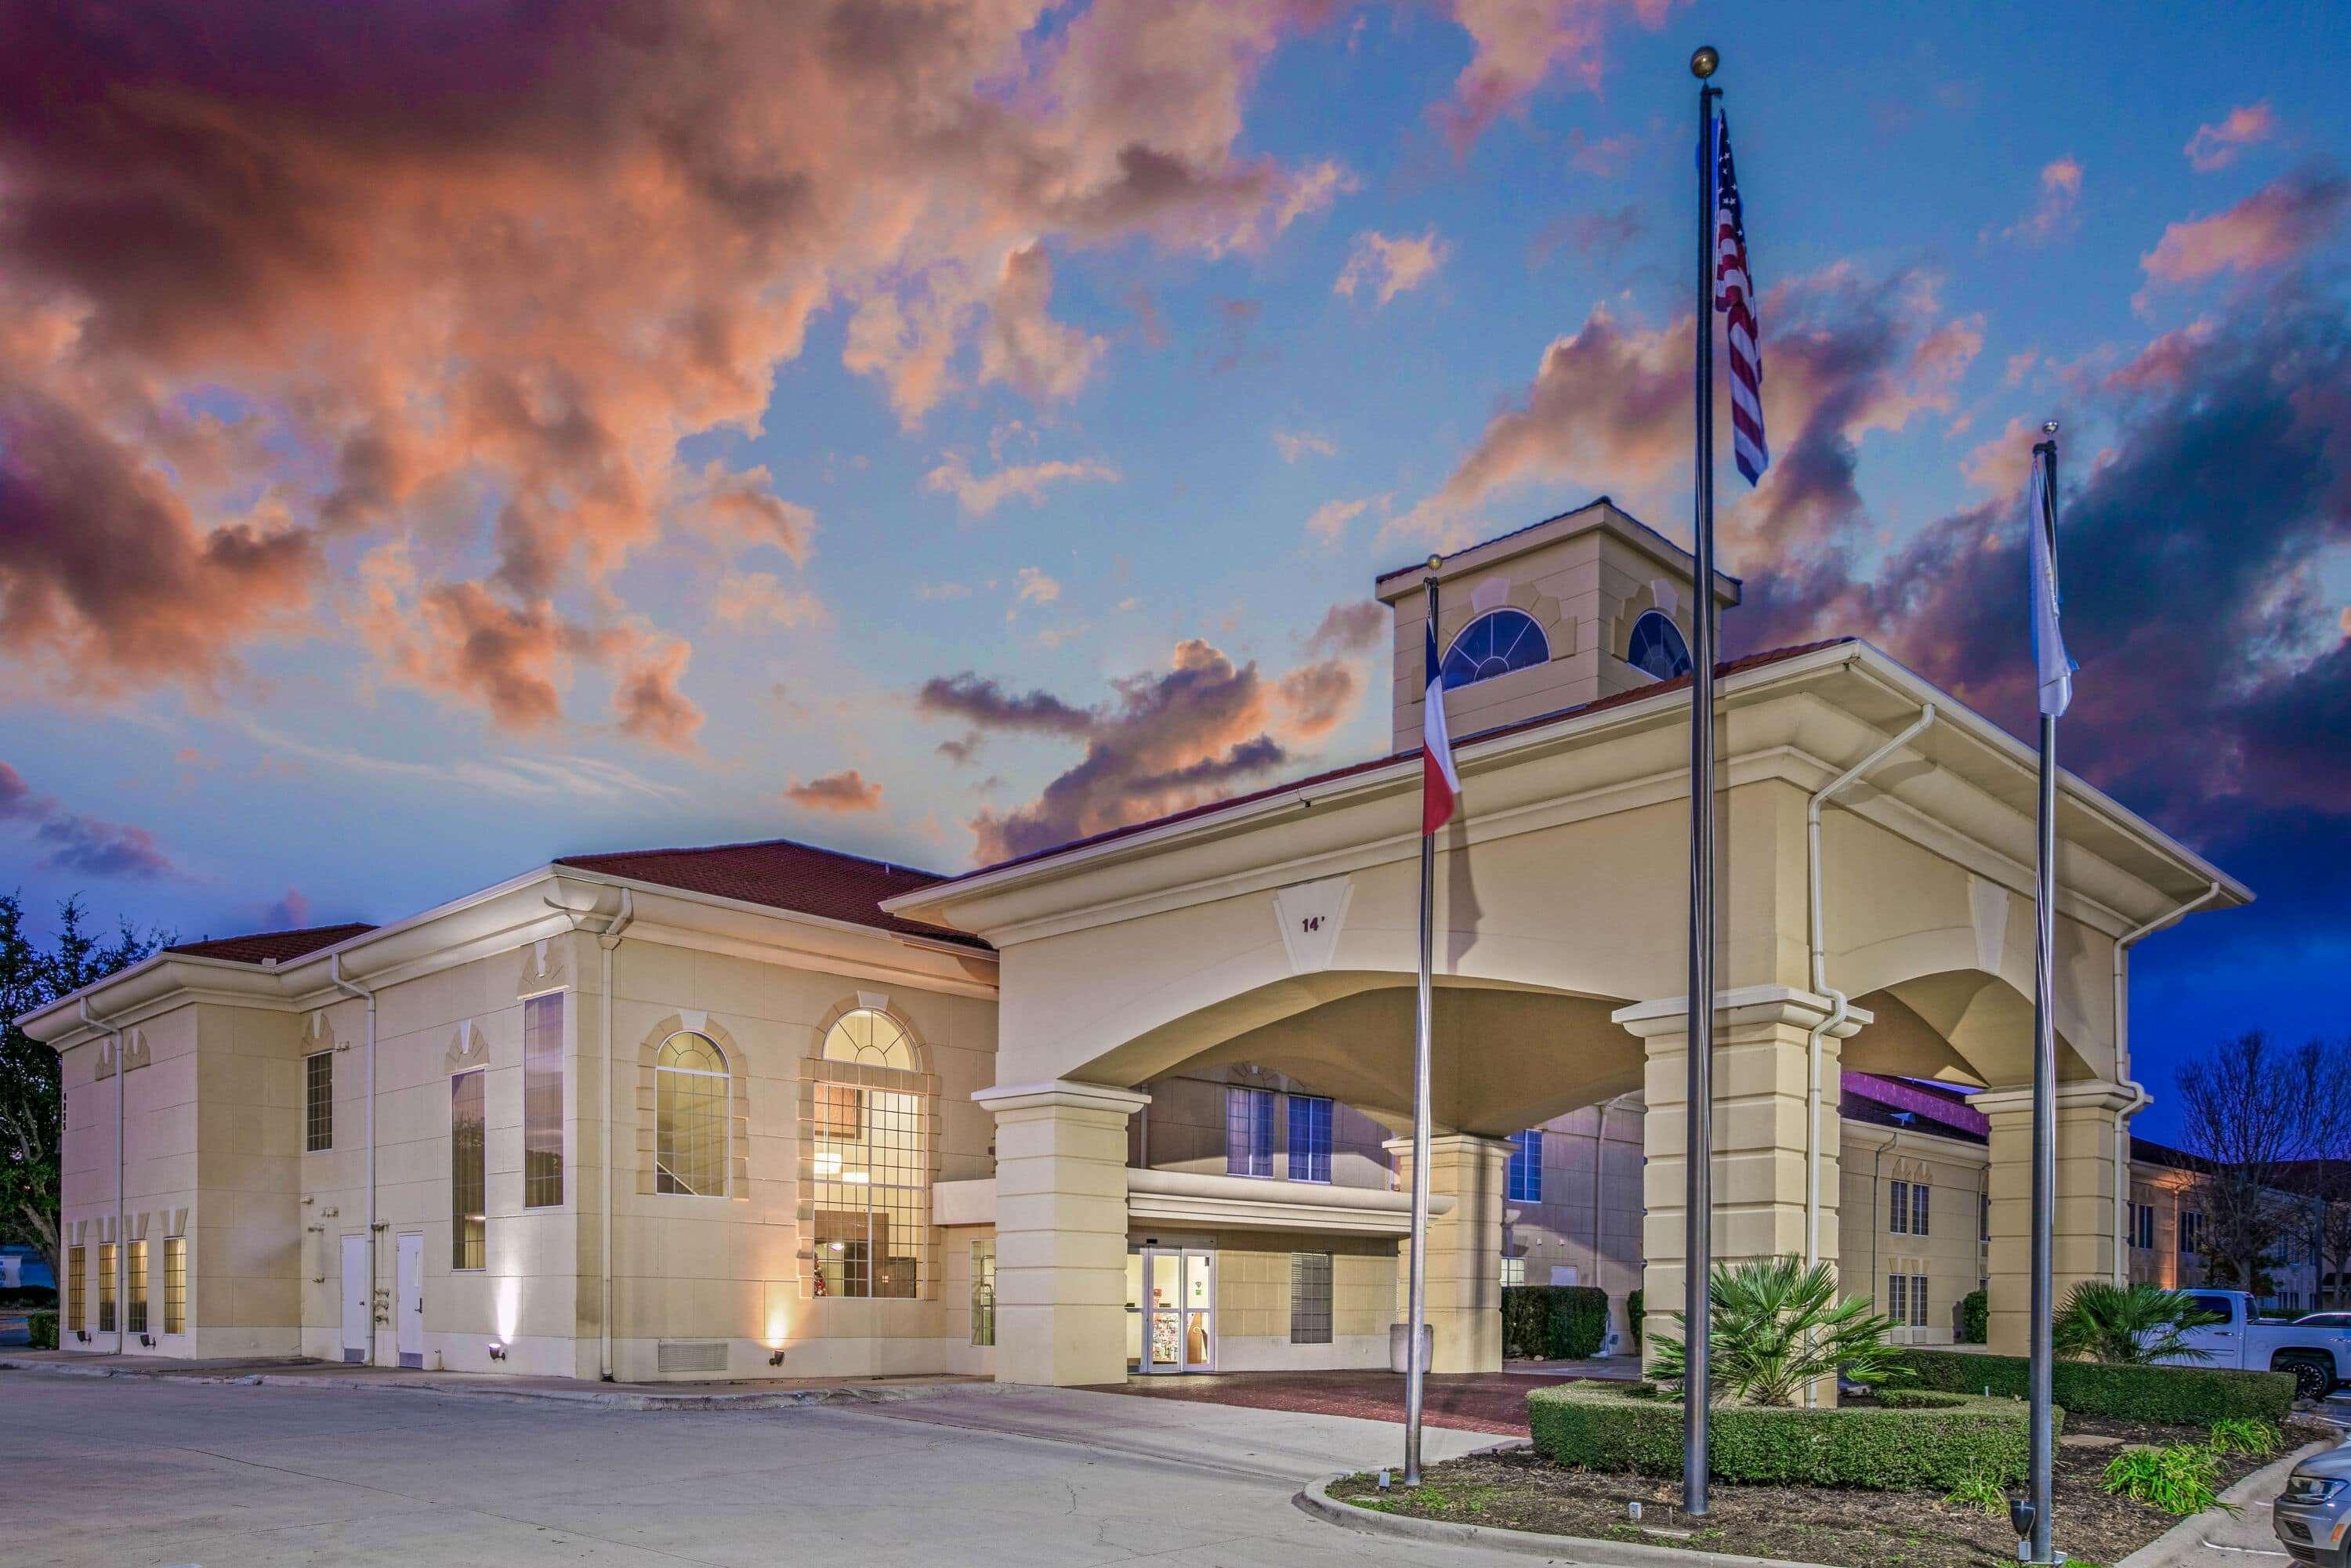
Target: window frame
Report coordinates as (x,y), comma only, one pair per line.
(1897,1208)
(319,1102)
(868,1148)
(1317,1108)
(77,1303)
(176,1284)
(983,1291)
(469,1232)
(1674,630)
(1445,661)
(1917,1301)
(107,1306)
(544,1187)
(135,1281)
(1522,1180)
(1313,1295)
(1255,1123)
(1919,1208)
(665,1167)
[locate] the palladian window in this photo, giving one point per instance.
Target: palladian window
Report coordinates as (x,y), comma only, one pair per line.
(1658,647)
(870,1162)
(1494,644)
(690,1116)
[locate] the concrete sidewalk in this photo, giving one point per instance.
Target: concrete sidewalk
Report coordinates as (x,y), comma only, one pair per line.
(297,1372)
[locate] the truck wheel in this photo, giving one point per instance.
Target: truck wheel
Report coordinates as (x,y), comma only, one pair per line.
(2310,1381)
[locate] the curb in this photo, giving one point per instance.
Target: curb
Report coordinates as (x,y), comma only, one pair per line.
(1577,1549)
(2184,1543)
(766,1399)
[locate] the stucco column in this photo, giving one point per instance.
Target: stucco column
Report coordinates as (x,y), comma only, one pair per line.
(1762,1067)
(2083,1244)
(1465,1250)
(1061,1230)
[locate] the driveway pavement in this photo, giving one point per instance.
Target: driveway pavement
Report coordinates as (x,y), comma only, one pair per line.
(131,1472)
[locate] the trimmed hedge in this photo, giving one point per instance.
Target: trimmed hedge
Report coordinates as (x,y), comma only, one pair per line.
(1975,1317)
(1921,1442)
(2171,1395)
(1553,1322)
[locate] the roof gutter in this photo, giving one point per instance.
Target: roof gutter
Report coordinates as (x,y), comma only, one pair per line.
(351,988)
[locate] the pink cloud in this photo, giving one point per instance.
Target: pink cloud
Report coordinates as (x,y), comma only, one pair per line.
(2274,225)
(2216,146)
(2053,213)
(848,790)
(1518,44)
(68,841)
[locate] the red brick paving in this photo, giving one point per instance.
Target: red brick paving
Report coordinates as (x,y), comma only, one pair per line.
(1467,1401)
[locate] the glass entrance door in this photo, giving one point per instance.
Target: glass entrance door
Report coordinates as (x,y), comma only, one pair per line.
(1171,1303)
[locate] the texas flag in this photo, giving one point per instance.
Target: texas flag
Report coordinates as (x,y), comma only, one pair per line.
(1440,786)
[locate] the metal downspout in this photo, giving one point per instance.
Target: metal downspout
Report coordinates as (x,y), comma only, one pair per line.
(608,939)
(1839,1001)
(121,1238)
(352,988)
(2138,1091)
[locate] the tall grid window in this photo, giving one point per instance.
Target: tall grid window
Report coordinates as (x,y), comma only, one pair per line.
(176,1284)
(1897,1208)
(542,1101)
(1309,1298)
(76,1287)
(2191,1233)
(106,1287)
(1917,1301)
(2143,1226)
(983,1292)
(135,1315)
(469,1220)
(1919,1191)
(1897,1297)
(870,1171)
(1310,1138)
(317,1102)
(1248,1132)
(690,1117)
(1525,1174)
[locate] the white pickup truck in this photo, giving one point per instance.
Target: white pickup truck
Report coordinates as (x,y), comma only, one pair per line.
(2318,1356)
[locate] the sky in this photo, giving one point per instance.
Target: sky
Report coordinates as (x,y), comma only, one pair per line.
(438,437)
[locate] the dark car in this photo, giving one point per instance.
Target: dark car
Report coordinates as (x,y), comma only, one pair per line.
(2311,1513)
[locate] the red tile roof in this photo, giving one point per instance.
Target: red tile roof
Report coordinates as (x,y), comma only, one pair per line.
(782,875)
(1620,699)
(264,946)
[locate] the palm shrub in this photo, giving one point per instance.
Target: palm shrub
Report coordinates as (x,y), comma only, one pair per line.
(1774,1326)
(2134,1325)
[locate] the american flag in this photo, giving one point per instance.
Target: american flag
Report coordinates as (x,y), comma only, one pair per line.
(1734,296)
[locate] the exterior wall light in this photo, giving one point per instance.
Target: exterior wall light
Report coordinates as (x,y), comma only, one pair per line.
(775,1358)
(498,1351)
(147,1340)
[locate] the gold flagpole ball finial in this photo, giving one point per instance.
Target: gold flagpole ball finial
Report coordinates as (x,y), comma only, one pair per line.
(1435,561)
(1703,62)
(2048,427)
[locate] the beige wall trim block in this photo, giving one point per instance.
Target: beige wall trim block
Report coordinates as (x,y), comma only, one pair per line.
(1061,1230)
(2081,1243)
(1761,1073)
(1465,1250)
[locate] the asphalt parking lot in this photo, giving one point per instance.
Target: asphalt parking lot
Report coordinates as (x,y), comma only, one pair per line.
(137,1473)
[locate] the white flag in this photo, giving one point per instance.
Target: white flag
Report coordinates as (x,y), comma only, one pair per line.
(2054,669)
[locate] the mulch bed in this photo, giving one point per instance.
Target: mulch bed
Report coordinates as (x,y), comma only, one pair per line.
(1464,1402)
(1845,1527)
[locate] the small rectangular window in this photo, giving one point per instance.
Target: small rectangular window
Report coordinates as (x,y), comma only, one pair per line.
(77,1287)
(1310,1138)
(1917,1301)
(542,1102)
(176,1284)
(1309,1298)
(106,1287)
(1898,1298)
(1898,1210)
(468,1176)
(1248,1132)
(1918,1208)
(1514,1272)
(135,1315)
(983,1292)
(1524,1178)
(319,1102)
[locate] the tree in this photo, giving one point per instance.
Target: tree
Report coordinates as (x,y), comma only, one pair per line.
(2133,1325)
(32,1102)
(2253,1110)
(1774,1326)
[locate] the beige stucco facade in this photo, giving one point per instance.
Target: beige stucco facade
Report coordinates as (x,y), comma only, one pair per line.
(1063,1081)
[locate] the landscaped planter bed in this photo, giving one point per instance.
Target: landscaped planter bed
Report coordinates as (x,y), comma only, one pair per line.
(1835,1525)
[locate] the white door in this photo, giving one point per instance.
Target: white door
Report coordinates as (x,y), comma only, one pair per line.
(409,1306)
(355,1298)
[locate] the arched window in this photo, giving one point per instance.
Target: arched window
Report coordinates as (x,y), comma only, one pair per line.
(1656,647)
(869,1165)
(1494,644)
(690,1116)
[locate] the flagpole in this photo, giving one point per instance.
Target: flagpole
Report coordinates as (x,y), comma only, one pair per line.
(1697,1149)
(1415,1367)
(2039,1440)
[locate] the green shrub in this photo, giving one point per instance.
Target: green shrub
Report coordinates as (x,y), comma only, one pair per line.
(1603,1426)
(1553,1322)
(2129,1325)
(2244,1435)
(1977,1489)
(44,1328)
(1975,1318)
(1775,1324)
(1917,1399)
(2171,1395)
(2180,1477)
(1633,1333)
